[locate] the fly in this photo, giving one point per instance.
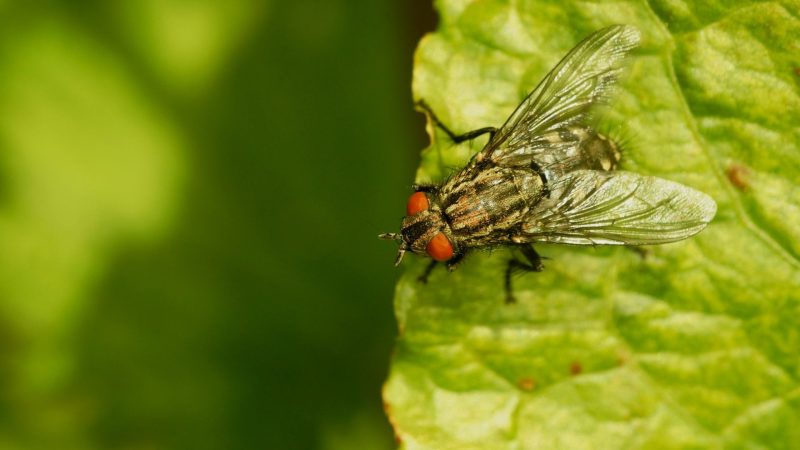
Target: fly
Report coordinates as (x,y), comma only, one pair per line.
(546,176)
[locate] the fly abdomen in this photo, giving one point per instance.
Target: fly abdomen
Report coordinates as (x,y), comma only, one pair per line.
(571,148)
(598,152)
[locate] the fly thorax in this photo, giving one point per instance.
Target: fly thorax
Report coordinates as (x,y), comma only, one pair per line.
(485,205)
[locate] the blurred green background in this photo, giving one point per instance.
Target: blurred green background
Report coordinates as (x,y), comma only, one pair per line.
(190,194)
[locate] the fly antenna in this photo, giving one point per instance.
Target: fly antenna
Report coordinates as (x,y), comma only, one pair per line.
(395,237)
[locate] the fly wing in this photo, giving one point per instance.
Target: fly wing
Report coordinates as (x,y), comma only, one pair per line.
(582,79)
(588,207)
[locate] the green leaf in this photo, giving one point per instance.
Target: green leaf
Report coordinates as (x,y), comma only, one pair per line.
(694,345)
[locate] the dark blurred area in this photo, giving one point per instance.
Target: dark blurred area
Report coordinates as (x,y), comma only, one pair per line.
(190,197)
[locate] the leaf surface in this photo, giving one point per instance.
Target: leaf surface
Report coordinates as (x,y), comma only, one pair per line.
(694,345)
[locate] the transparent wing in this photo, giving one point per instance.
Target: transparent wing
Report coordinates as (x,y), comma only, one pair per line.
(583,78)
(588,207)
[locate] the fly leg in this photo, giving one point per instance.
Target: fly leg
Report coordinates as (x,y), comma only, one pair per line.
(424,277)
(534,264)
(643,252)
(457,138)
(451,266)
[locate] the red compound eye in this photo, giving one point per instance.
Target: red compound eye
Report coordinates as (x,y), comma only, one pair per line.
(418,202)
(440,248)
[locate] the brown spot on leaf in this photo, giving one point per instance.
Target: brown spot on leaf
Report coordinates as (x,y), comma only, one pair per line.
(526,384)
(575,368)
(797,71)
(739,176)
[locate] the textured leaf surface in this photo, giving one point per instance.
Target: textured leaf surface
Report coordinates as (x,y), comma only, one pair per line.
(694,345)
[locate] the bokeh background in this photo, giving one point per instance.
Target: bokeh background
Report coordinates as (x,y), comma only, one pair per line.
(190,193)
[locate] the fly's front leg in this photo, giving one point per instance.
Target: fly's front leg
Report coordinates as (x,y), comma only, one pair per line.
(534,264)
(457,138)
(427,273)
(451,266)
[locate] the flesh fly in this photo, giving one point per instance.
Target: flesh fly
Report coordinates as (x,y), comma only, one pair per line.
(547,176)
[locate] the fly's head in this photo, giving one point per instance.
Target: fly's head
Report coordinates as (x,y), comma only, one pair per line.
(424,230)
